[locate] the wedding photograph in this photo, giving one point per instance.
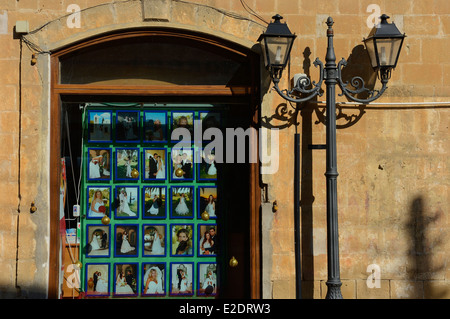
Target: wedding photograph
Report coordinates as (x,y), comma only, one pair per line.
(209,119)
(99,126)
(182,202)
(182,168)
(183,119)
(154,205)
(182,279)
(182,240)
(207,169)
(207,279)
(98,201)
(207,201)
(127,164)
(154,240)
(127,126)
(98,240)
(127,202)
(126,240)
(97,279)
(153,279)
(155,127)
(99,168)
(126,279)
(207,240)
(155,164)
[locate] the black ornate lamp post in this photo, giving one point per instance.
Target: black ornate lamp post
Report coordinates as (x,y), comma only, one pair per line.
(383,45)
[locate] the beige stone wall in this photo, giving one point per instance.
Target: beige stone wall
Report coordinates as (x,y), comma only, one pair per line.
(393,161)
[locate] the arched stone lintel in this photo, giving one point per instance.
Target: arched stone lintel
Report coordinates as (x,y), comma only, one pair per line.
(121,16)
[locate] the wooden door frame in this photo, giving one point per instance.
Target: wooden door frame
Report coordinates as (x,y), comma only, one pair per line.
(211,91)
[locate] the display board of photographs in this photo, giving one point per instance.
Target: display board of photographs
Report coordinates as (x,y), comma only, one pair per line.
(154,192)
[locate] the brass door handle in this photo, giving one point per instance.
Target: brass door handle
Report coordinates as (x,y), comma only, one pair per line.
(233,262)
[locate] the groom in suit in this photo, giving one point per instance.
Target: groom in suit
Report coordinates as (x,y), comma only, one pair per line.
(153,166)
(212,233)
(186,166)
(129,278)
(95,280)
(104,238)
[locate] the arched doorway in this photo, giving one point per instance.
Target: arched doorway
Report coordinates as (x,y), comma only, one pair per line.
(144,72)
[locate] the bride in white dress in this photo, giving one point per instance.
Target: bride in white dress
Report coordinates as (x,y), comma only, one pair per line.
(154,210)
(182,208)
(161,170)
(125,247)
(94,242)
(94,167)
(211,207)
(128,125)
(206,242)
(153,281)
(124,207)
(128,165)
(102,284)
(97,202)
(157,248)
(212,169)
(176,165)
(122,287)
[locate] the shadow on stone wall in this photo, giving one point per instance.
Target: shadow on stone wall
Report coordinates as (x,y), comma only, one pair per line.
(424,246)
(358,66)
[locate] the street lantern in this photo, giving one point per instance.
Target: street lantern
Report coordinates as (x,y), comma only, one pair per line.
(383,45)
(276,44)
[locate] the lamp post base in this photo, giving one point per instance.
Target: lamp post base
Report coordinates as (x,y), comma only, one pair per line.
(334,291)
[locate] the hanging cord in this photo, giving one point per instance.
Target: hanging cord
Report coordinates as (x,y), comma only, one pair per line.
(76,188)
(252,12)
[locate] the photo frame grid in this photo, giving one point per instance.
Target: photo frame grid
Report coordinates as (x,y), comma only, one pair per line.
(140,221)
(197,274)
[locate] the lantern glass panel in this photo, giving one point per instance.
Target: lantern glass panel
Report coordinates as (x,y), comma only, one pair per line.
(371,50)
(277,50)
(388,50)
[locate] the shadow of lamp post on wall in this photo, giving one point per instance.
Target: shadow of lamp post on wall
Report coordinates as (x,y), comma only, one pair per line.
(383,46)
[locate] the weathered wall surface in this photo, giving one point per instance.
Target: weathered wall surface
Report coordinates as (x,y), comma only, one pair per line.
(393,190)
